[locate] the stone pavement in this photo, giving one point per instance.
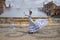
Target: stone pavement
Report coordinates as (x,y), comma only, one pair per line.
(50,32)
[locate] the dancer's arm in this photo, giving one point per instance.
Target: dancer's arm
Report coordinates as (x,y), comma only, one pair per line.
(25,14)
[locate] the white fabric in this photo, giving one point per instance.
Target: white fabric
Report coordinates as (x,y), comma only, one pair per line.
(38,24)
(41,22)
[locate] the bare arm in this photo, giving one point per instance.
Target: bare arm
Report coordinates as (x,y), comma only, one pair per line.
(25,14)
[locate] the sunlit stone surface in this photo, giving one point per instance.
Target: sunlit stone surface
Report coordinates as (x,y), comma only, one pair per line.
(48,33)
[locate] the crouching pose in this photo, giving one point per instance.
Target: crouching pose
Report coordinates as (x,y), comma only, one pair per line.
(34,26)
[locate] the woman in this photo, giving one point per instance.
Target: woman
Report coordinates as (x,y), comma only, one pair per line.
(35,25)
(32,26)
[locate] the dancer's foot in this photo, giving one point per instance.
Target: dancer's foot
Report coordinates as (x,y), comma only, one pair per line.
(30,32)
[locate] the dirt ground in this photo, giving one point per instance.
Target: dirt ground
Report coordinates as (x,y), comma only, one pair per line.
(46,33)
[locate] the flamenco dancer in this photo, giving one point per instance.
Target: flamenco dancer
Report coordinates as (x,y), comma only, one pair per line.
(34,26)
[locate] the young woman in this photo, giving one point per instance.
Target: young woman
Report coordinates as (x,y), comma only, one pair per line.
(35,25)
(32,26)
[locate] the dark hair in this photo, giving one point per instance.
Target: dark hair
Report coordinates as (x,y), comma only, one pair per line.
(30,12)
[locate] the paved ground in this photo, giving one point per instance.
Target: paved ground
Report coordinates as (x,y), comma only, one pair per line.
(46,33)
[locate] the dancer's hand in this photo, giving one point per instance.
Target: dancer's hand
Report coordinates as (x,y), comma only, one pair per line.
(25,14)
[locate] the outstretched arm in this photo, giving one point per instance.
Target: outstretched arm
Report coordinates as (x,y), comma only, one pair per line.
(25,14)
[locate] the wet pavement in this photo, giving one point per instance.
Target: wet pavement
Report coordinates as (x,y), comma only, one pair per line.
(46,33)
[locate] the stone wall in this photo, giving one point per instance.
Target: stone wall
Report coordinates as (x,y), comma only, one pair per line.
(2,2)
(18,21)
